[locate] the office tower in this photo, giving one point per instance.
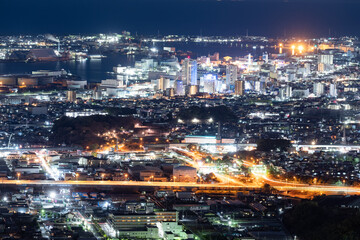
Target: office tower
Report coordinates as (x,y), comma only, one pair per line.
(160,85)
(333,90)
(192,90)
(209,83)
(231,75)
(326,59)
(288,91)
(307,69)
(179,88)
(282,94)
(189,72)
(239,88)
(163,83)
(285,93)
(318,89)
(71,96)
(325,62)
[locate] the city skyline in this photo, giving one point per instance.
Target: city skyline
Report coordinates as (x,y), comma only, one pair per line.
(186,120)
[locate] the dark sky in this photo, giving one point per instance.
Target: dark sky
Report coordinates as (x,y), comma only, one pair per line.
(302,18)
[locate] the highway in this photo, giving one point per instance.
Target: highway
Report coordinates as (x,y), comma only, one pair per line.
(226,181)
(280,186)
(122,183)
(277,184)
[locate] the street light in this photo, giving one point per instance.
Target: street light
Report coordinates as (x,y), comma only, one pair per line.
(126,176)
(102,176)
(174,178)
(53,195)
(18,175)
(77,175)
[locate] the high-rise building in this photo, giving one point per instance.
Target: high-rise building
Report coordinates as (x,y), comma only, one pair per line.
(71,96)
(163,83)
(209,83)
(307,68)
(281,94)
(318,89)
(192,90)
(285,93)
(288,91)
(325,62)
(189,72)
(326,59)
(231,75)
(333,90)
(179,88)
(239,88)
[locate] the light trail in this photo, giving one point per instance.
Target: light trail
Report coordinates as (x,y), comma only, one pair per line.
(222,177)
(191,158)
(121,183)
(310,188)
(46,167)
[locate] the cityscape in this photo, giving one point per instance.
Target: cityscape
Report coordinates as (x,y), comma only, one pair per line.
(121,134)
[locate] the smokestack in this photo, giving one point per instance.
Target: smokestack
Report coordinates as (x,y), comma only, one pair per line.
(54,39)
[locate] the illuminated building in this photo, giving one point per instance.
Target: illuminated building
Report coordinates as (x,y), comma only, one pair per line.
(189,72)
(239,88)
(326,59)
(27,81)
(71,96)
(231,75)
(112,83)
(192,90)
(170,92)
(185,174)
(179,88)
(200,139)
(146,226)
(325,62)
(318,89)
(162,84)
(208,82)
(333,90)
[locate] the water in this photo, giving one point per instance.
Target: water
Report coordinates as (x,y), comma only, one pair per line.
(96,70)
(93,70)
(225,49)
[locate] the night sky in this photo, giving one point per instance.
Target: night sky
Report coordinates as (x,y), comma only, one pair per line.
(274,18)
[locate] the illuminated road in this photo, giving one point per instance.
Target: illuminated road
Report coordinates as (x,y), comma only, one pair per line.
(46,167)
(121,183)
(277,184)
(192,158)
(283,187)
